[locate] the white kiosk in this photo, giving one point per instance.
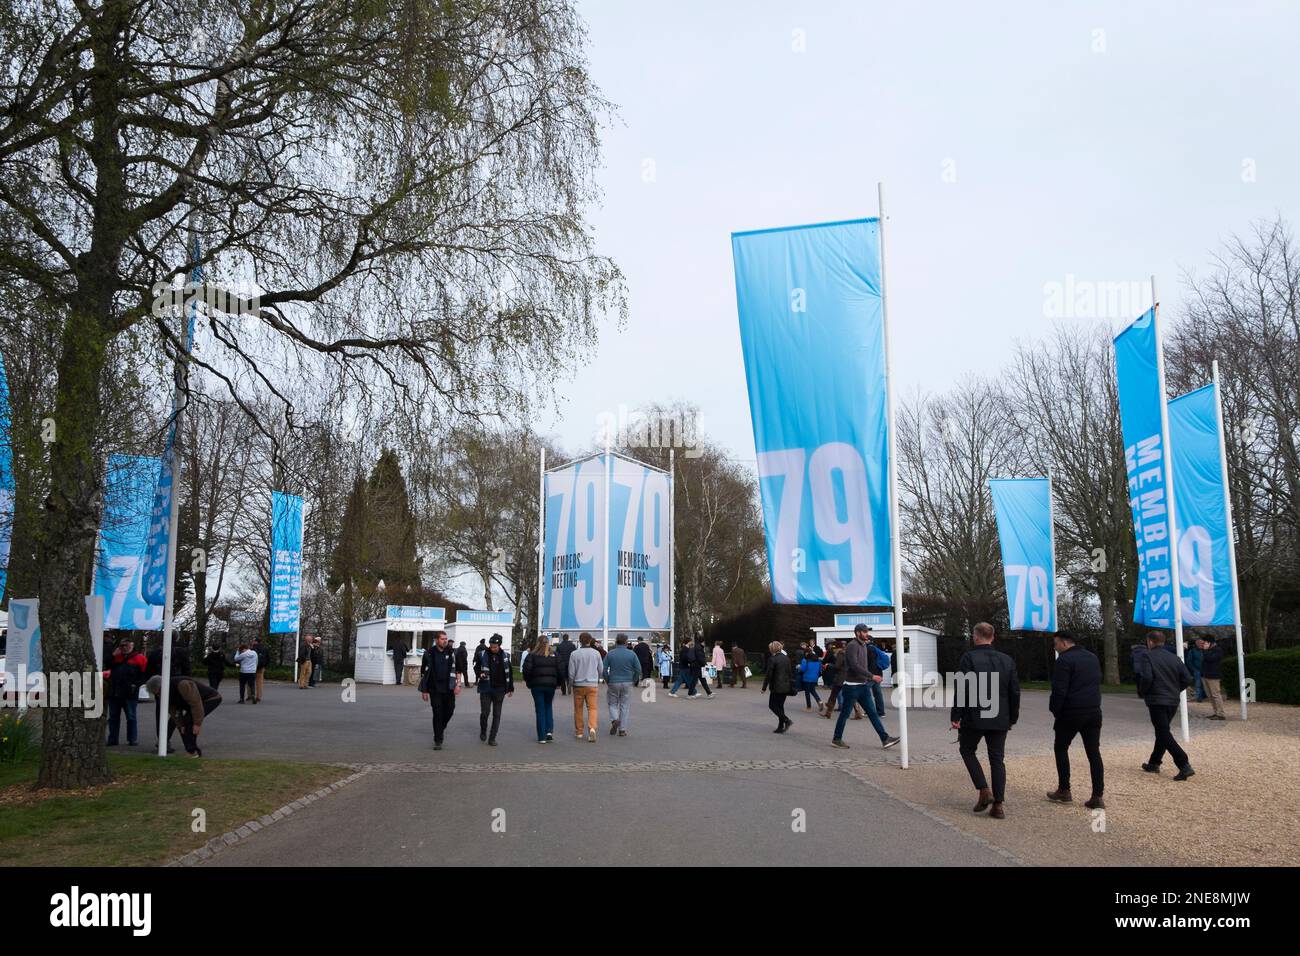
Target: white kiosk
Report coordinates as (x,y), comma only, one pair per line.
(474,626)
(374,663)
(921,644)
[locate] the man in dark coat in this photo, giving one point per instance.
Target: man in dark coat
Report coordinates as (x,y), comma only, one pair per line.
(1161,680)
(1076,705)
(739,661)
(779,676)
(494,677)
(462,663)
(643,654)
(399,657)
(440,683)
(985,707)
(563,653)
(1212,674)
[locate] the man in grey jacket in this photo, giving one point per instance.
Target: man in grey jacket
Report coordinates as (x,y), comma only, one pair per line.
(1161,680)
(622,673)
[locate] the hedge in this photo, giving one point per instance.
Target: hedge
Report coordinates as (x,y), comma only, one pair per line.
(1276,675)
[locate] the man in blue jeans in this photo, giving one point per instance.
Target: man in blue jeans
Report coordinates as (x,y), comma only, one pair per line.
(857,689)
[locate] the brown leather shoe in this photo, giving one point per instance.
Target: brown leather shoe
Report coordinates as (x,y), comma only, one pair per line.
(996,812)
(1060,796)
(986,797)
(1095,802)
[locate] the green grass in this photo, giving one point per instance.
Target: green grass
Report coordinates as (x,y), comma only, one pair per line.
(144,817)
(1105,688)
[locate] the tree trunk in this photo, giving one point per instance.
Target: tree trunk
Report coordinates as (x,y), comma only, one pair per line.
(1109,639)
(73,755)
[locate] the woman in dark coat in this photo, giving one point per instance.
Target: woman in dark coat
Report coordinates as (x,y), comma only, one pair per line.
(779,682)
(542,676)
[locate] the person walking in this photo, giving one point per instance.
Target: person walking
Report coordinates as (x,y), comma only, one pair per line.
(664,658)
(495,679)
(541,672)
(188,702)
(1212,676)
(699,663)
(399,660)
(1161,680)
(1192,656)
(685,657)
(317,662)
(719,662)
(855,690)
(562,654)
(263,658)
(479,651)
(304,663)
(810,669)
(778,684)
(125,674)
(622,671)
(833,676)
(991,713)
(440,684)
(246,661)
(878,661)
(739,664)
(215,662)
(646,658)
(1076,705)
(584,676)
(462,663)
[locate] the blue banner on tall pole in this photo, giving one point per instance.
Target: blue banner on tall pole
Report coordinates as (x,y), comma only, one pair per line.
(6,478)
(573,594)
(286,563)
(640,544)
(123,533)
(1023,507)
(155,565)
(1204,539)
(812,334)
(1141,410)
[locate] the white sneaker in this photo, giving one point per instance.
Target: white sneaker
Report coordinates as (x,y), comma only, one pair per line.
(672,695)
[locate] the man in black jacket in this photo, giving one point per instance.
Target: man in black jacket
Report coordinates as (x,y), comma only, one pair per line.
(642,651)
(986,705)
(399,658)
(1212,674)
(462,663)
(563,653)
(1161,680)
(494,678)
(1076,705)
(439,684)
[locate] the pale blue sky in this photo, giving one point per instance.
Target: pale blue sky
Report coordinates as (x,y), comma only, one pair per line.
(1107,165)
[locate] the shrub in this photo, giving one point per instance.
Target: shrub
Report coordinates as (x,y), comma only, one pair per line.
(1276,675)
(15,737)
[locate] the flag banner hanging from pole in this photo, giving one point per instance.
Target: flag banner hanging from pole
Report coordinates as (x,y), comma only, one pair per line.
(574,593)
(640,542)
(812,335)
(155,567)
(6,478)
(1204,564)
(123,533)
(286,562)
(1141,412)
(1023,507)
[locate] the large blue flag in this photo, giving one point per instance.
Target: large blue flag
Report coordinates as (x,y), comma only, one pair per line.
(119,560)
(155,563)
(812,334)
(1024,513)
(286,562)
(1204,539)
(6,478)
(1141,404)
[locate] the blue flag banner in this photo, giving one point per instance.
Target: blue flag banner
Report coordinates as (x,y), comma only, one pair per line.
(640,544)
(1204,539)
(812,335)
(1024,514)
(573,595)
(6,478)
(119,559)
(155,567)
(1141,401)
(286,562)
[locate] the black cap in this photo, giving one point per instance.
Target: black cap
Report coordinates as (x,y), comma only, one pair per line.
(494,639)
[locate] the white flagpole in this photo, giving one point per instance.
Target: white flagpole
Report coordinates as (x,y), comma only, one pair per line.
(173,519)
(1232,538)
(541,539)
(604,561)
(896,559)
(1170,501)
(672,551)
(1051,539)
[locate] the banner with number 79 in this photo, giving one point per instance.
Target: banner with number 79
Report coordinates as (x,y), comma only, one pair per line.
(812,334)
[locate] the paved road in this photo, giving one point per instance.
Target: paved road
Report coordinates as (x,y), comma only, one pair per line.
(695,782)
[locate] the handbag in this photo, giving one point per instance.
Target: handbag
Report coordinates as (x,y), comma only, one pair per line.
(748,672)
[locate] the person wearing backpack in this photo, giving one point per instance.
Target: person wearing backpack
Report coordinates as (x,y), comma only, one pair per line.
(878,662)
(1161,680)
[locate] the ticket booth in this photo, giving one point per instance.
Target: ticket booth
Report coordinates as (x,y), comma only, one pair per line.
(413,626)
(921,648)
(474,626)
